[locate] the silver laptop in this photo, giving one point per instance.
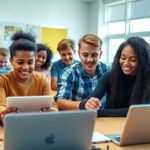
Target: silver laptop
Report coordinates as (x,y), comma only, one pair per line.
(137,127)
(29,103)
(70,130)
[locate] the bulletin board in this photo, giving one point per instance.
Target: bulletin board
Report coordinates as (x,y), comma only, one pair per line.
(51,36)
(7,29)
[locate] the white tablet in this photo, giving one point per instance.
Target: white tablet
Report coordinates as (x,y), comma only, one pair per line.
(29,103)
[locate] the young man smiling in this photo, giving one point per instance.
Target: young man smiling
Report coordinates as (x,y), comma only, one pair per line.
(66,49)
(78,81)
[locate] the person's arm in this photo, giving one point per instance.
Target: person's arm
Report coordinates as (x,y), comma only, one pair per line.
(102,86)
(97,94)
(54,76)
(6,111)
(92,103)
(2,108)
(54,83)
(64,104)
(64,93)
(116,112)
(2,96)
(46,90)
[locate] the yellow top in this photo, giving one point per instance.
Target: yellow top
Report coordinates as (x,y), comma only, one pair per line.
(38,85)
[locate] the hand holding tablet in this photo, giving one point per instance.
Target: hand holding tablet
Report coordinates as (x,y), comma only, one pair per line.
(29,103)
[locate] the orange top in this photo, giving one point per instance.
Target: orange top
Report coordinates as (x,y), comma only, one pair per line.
(38,85)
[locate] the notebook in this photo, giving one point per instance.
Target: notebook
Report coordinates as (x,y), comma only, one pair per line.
(99,138)
(70,130)
(29,103)
(137,127)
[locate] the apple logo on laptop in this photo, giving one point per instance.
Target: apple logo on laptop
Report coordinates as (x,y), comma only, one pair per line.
(50,139)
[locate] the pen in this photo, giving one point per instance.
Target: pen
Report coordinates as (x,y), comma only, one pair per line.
(97,142)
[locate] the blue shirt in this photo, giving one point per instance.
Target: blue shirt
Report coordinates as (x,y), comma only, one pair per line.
(75,84)
(4,71)
(57,68)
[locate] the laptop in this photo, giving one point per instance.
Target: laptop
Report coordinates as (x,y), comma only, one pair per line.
(29,103)
(70,130)
(137,127)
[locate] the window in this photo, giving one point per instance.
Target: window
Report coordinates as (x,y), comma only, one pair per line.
(113,46)
(147,39)
(116,28)
(140,25)
(124,19)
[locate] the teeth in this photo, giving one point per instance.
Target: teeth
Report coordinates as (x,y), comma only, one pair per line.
(38,63)
(24,72)
(90,65)
(126,69)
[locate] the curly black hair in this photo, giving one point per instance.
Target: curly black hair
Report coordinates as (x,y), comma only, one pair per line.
(142,79)
(22,41)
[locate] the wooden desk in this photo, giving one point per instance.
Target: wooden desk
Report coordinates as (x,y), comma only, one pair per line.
(115,125)
(107,126)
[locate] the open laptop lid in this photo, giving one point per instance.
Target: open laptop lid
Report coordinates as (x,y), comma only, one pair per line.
(137,126)
(70,130)
(29,103)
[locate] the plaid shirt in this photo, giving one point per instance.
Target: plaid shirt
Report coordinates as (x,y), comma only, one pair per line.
(74,84)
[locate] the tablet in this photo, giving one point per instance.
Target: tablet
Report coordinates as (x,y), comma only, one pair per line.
(29,103)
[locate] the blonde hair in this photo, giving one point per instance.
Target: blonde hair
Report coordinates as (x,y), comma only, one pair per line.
(65,44)
(4,52)
(92,40)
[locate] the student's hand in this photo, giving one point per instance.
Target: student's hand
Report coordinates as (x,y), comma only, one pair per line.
(7,111)
(47,109)
(92,103)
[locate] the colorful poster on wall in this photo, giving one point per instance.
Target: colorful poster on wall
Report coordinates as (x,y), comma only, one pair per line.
(9,30)
(35,31)
(51,36)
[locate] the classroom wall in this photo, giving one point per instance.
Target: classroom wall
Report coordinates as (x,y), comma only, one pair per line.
(93,16)
(78,16)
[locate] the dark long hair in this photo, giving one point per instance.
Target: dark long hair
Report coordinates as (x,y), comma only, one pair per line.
(142,79)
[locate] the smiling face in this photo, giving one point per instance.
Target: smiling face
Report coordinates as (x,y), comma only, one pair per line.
(89,56)
(23,64)
(41,58)
(3,61)
(128,61)
(67,56)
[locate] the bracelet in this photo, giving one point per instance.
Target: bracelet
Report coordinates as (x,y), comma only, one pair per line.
(82,104)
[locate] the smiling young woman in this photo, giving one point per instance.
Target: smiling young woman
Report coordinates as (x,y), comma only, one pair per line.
(128,81)
(22,80)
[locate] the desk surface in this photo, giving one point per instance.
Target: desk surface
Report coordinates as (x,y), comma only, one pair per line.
(107,126)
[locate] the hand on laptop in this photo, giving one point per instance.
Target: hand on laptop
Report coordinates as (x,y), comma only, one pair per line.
(92,103)
(6,111)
